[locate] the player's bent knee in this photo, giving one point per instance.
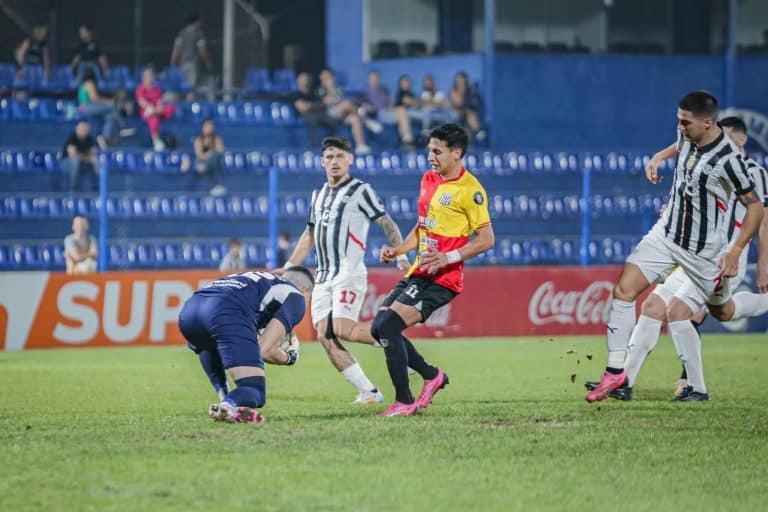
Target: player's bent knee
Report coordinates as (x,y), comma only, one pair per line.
(721,313)
(387,325)
(678,311)
(654,307)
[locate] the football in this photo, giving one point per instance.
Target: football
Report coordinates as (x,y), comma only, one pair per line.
(291,342)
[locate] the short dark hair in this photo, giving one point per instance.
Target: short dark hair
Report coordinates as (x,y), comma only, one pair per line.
(235,241)
(193,18)
(336,142)
(300,276)
(700,104)
(88,74)
(736,124)
(453,135)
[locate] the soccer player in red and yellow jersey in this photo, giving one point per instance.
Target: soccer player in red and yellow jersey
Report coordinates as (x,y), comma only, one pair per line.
(452,206)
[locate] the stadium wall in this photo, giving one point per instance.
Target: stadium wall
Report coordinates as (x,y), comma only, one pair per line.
(53,310)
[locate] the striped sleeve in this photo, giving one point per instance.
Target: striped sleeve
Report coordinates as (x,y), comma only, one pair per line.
(736,172)
(369,203)
(760,178)
(311,220)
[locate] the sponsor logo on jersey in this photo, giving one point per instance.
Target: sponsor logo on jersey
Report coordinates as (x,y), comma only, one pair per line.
(445,198)
(426,222)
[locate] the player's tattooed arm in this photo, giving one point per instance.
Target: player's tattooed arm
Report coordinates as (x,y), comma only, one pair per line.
(729,263)
(394,239)
(391,231)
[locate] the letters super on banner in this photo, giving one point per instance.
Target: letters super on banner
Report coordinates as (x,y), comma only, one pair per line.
(51,310)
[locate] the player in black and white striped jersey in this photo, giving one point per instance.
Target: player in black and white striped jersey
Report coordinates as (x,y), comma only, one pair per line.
(746,304)
(709,168)
(340,214)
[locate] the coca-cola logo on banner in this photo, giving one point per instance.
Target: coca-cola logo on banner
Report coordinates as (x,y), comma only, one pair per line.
(588,306)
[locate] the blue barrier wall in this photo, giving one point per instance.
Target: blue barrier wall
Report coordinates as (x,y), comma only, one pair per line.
(567,102)
(595,103)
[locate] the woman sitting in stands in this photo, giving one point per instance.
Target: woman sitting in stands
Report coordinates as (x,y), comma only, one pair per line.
(93,104)
(152,108)
(466,101)
(209,158)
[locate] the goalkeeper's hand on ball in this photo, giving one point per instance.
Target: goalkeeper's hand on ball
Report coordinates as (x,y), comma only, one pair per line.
(291,347)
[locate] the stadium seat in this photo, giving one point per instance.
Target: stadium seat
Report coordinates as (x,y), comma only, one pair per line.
(257,81)
(386,49)
(284,81)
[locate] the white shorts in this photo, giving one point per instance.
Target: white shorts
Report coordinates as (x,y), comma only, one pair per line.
(344,296)
(678,281)
(656,255)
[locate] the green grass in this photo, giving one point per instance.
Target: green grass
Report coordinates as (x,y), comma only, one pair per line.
(126,429)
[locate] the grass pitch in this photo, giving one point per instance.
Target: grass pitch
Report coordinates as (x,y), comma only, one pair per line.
(126,429)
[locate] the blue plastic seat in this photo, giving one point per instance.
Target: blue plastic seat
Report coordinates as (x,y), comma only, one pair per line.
(234,161)
(31,78)
(258,160)
(257,81)
(173,79)
(253,112)
(284,80)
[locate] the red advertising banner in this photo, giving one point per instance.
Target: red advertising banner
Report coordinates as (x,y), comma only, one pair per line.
(42,309)
(514,301)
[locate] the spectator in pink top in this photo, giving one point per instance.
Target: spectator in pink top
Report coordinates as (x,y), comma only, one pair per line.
(152,109)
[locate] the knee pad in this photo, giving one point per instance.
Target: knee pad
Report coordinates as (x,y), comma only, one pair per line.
(387,325)
(251,391)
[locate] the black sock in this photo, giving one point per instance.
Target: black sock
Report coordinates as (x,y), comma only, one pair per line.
(388,327)
(417,362)
(684,375)
(614,371)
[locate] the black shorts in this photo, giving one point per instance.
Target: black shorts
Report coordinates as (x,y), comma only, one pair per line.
(422,293)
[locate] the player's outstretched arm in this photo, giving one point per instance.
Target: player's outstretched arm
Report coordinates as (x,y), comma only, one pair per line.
(301,251)
(762,254)
(652,169)
(409,244)
(729,263)
(394,238)
(484,240)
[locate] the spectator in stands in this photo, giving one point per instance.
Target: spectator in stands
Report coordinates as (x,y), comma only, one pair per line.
(189,49)
(465,100)
(307,103)
(33,50)
(80,248)
(152,108)
(434,104)
(88,54)
(79,157)
(233,261)
(93,104)
(209,158)
(377,103)
(283,248)
(342,109)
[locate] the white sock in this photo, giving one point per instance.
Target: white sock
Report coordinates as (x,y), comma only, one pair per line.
(620,324)
(747,304)
(356,376)
(688,346)
(643,340)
